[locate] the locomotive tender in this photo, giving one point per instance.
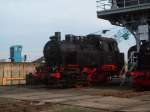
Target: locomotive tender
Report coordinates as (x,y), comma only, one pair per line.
(90,59)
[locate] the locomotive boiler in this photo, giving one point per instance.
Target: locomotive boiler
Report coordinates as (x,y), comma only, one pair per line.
(90,59)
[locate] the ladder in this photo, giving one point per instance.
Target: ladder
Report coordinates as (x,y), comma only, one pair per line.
(133,60)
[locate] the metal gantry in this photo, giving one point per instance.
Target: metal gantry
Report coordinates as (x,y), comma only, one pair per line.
(132,14)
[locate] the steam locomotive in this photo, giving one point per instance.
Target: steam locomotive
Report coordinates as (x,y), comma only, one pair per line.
(85,60)
(139,65)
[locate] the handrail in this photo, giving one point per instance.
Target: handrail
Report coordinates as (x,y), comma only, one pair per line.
(113,4)
(103,4)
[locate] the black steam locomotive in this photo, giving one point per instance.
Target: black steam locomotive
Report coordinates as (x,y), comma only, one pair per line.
(139,65)
(90,59)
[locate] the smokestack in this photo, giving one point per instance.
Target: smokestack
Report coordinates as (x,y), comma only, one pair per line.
(58,36)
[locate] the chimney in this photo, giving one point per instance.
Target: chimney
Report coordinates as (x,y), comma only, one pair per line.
(58,36)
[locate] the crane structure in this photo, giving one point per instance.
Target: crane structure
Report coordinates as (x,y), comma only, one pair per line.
(132,14)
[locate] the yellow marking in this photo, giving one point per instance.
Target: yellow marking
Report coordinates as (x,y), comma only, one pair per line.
(5,79)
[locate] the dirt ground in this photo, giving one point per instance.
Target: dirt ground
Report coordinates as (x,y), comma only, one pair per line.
(100,99)
(12,105)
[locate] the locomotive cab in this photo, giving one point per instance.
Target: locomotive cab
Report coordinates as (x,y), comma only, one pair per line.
(139,60)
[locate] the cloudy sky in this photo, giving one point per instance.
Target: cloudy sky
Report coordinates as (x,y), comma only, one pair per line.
(31,22)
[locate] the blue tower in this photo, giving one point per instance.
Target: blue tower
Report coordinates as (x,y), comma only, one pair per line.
(15,53)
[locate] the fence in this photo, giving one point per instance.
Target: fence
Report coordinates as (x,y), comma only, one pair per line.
(15,73)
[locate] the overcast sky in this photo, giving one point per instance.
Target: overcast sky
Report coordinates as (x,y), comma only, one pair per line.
(31,22)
